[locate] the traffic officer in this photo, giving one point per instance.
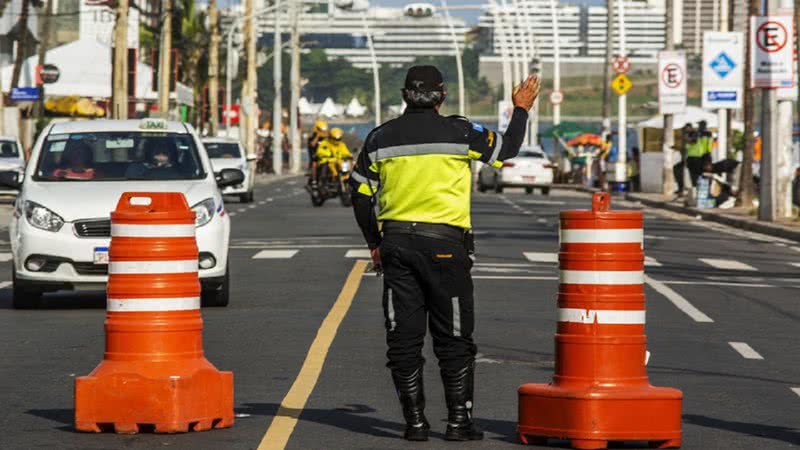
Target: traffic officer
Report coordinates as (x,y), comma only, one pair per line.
(415,170)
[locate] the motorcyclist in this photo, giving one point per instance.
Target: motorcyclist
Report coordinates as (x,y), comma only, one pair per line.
(318,133)
(331,151)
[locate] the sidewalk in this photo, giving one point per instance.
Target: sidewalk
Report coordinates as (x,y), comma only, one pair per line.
(735,217)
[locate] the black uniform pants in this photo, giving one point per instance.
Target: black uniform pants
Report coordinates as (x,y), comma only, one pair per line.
(427,284)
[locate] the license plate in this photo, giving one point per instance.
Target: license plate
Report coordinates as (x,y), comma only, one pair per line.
(531,179)
(101,255)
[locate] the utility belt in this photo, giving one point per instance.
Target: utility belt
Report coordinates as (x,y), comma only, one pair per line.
(432,230)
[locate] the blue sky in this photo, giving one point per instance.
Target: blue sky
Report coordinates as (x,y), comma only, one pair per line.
(470,16)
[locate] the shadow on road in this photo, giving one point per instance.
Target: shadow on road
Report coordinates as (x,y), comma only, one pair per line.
(65,300)
(63,416)
(778,433)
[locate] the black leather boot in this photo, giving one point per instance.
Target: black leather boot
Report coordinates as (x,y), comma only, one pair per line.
(411,392)
(458,388)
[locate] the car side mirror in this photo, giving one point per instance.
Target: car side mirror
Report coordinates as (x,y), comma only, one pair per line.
(229,177)
(11,179)
(251,157)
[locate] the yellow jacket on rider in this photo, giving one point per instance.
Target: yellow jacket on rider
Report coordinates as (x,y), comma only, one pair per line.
(330,150)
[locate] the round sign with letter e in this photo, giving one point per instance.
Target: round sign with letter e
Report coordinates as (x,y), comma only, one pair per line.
(556,97)
(621,65)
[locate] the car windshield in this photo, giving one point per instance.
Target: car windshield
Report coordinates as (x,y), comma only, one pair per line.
(119,156)
(531,154)
(222,150)
(8,149)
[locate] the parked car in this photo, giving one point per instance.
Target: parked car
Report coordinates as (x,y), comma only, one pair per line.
(229,154)
(60,230)
(530,169)
(12,162)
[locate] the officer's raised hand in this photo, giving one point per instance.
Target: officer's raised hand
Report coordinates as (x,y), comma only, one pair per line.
(525,93)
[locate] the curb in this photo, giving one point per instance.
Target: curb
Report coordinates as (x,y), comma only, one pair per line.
(770,229)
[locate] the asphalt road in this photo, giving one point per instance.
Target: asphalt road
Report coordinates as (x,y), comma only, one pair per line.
(713,286)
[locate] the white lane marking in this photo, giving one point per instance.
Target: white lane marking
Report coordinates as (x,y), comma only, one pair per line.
(275,254)
(572,236)
(602,316)
(541,220)
(152,304)
(5,257)
(677,300)
(721,283)
(269,199)
(541,257)
(609,277)
(262,202)
(507,270)
(727,264)
(745,350)
(502,277)
(649,261)
(252,206)
(358,253)
(796,390)
(169,230)
(232,214)
(543,202)
(796,264)
(241,210)
(5,284)
(132,267)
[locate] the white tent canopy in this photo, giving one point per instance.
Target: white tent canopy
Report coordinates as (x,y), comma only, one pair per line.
(355,108)
(85,67)
(305,107)
(330,109)
(692,115)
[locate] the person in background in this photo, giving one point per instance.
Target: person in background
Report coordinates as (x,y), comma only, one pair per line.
(634,170)
(679,158)
(697,151)
(318,133)
(76,162)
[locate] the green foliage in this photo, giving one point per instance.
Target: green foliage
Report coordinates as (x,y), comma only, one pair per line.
(737,140)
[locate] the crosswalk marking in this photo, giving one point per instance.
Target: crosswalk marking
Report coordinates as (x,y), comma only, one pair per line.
(275,254)
(5,284)
(541,257)
(727,264)
(745,350)
(5,257)
(796,390)
(357,253)
(649,261)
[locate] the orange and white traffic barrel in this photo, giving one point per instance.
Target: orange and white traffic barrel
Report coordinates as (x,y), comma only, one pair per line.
(600,391)
(154,375)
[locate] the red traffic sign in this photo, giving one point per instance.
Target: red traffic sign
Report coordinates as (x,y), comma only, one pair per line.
(672,76)
(621,64)
(771,36)
(556,97)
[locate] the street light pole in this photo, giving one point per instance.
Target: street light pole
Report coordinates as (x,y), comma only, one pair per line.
(376,80)
(668,141)
(164,58)
(500,29)
(294,124)
(556,62)
(119,107)
(620,172)
(461,94)
(228,70)
(213,69)
(277,103)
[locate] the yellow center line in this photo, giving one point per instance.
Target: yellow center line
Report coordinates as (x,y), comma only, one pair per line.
(282,426)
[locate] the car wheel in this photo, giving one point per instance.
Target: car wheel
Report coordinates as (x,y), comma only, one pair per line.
(546,191)
(498,187)
(22,297)
(247,197)
(219,297)
(529,190)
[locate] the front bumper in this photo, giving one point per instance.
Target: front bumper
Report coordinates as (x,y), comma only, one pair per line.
(72,256)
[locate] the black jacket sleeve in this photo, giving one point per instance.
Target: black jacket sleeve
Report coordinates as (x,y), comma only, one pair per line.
(364,185)
(492,147)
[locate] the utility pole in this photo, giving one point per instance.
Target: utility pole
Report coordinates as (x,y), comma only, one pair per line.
(768,184)
(22,43)
(44,42)
(746,192)
(213,69)
(119,101)
(556,62)
(620,169)
(722,114)
(668,179)
(277,103)
(607,68)
(249,123)
(164,59)
(783,149)
(294,124)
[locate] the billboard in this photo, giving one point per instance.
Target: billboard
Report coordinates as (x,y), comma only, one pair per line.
(723,70)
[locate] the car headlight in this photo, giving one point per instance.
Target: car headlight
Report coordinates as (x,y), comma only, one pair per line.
(42,218)
(204,212)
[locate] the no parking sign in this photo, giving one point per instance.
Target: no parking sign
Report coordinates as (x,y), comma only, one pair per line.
(772,45)
(671,82)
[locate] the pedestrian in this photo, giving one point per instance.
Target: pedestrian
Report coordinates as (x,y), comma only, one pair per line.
(697,151)
(633,170)
(679,158)
(416,168)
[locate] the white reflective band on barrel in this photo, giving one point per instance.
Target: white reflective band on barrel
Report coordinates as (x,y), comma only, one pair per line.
(601,277)
(128,230)
(142,267)
(152,304)
(602,317)
(584,236)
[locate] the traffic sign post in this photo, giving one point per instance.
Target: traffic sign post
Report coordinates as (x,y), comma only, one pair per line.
(621,65)
(25,94)
(621,84)
(556,97)
(671,82)
(723,70)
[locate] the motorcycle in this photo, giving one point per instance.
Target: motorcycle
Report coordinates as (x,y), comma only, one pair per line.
(332,182)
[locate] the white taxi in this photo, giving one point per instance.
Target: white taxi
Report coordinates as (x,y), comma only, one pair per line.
(12,161)
(529,169)
(77,172)
(227,153)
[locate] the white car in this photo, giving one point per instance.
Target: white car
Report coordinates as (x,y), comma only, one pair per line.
(229,154)
(60,230)
(530,169)
(12,161)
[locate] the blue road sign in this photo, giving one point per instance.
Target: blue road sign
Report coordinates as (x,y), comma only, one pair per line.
(25,94)
(722,65)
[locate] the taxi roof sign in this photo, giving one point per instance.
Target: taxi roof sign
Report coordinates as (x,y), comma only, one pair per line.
(621,84)
(153,123)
